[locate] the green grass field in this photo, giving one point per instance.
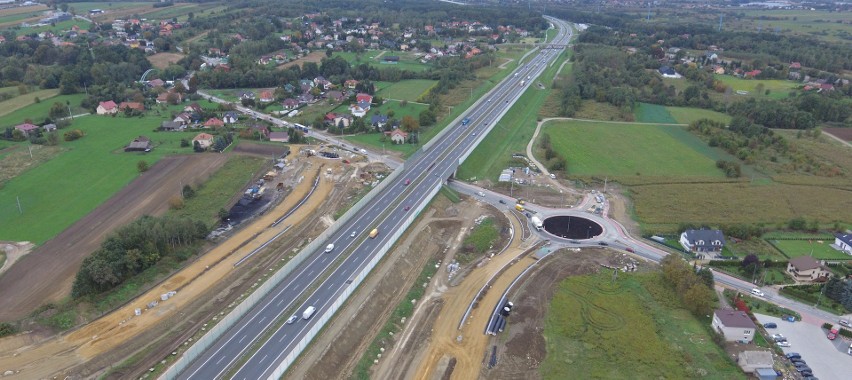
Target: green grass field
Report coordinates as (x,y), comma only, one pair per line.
(632,329)
(107,6)
(819,249)
(824,25)
(407,60)
(409,90)
(21,101)
(88,172)
(652,113)
(626,150)
(778,89)
(37,112)
(686,115)
(510,134)
(58,27)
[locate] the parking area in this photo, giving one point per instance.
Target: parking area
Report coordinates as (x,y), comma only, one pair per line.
(828,359)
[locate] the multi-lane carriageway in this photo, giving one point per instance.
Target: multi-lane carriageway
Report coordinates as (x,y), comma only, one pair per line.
(387,212)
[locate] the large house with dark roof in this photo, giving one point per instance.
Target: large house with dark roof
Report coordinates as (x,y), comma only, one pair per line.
(702,240)
(806,268)
(843,242)
(734,325)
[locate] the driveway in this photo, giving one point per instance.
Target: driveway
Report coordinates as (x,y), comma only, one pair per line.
(827,358)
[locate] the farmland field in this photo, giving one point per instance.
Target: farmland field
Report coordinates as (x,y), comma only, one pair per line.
(163,60)
(632,329)
(95,167)
(721,203)
(686,115)
(21,101)
(820,24)
(819,249)
(627,150)
(407,60)
(410,90)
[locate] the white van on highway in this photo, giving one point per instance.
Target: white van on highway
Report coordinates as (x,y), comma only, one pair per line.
(329,248)
(309,312)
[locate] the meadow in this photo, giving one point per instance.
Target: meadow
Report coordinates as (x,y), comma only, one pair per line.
(778,89)
(634,328)
(410,90)
(58,192)
(407,60)
(686,115)
(653,113)
(627,150)
(37,112)
(818,249)
(820,24)
(58,27)
(21,101)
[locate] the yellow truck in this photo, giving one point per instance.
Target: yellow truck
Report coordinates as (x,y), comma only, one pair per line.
(519,207)
(374,233)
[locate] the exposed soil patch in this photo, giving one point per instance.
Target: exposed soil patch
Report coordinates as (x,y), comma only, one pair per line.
(524,348)
(163,60)
(315,57)
(844,134)
(25,287)
(263,150)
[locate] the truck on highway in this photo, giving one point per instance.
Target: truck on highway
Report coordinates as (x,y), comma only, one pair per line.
(309,312)
(537,223)
(374,233)
(519,207)
(832,334)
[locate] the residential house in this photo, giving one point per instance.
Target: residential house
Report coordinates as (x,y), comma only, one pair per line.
(795,66)
(734,325)
(350,84)
(397,136)
(230,117)
(306,82)
(194,108)
(843,242)
(139,144)
(379,121)
(806,268)
(136,106)
(342,120)
(752,74)
(205,140)
(290,104)
(156,83)
(214,123)
(668,72)
(279,137)
(107,108)
(362,97)
(323,83)
(261,129)
(26,128)
(358,110)
(702,240)
(183,118)
(171,126)
(266,96)
(245,95)
(49,127)
(306,99)
(335,96)
(164,97)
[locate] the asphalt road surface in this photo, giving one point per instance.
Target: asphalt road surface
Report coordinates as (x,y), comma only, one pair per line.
(385,212)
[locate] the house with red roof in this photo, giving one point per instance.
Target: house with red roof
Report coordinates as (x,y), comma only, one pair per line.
(214,123)
(397,136)
(132,105)
(107,108)
(205,140)
(362,97)
(350,84)
(266,96)
(26,128)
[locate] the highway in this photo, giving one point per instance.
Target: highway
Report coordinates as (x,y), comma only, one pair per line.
(386,212)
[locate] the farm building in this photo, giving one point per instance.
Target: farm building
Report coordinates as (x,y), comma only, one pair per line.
(139,144)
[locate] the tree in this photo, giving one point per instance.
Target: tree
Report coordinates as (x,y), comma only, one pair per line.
(409,124)
(188,192)
(142,166)
(699,299)
(224,215)
(707,277)
(196,146)
(57,111)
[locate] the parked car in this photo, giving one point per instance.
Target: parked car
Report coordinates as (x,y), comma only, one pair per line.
(770,325)
(778,337)
(805,369)
(603,243)
(845,323)
(799,363)
(784,344)
(793,355)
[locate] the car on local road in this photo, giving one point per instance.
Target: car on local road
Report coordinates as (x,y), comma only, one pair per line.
(770,325)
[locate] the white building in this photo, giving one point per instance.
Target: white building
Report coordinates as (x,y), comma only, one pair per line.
(734,325)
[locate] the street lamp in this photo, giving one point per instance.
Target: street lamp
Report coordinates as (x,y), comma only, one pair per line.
(820,296)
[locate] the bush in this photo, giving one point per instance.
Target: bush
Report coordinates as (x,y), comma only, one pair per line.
(7,329)
(73,135)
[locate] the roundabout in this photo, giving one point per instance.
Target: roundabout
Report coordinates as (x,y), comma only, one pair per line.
(572,227)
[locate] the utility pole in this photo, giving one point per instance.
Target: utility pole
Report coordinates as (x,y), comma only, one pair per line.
(606,179)
(820,296)
(20,210)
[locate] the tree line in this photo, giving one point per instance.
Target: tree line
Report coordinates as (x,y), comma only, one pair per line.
(695,287)
(135,247)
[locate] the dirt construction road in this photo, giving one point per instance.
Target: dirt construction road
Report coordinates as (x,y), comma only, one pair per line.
(46,274)
(59,355)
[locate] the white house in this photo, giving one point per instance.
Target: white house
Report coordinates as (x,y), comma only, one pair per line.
(357,110)
(107,108)
(702,240)
(734,325)
(205,140)
(843,243)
